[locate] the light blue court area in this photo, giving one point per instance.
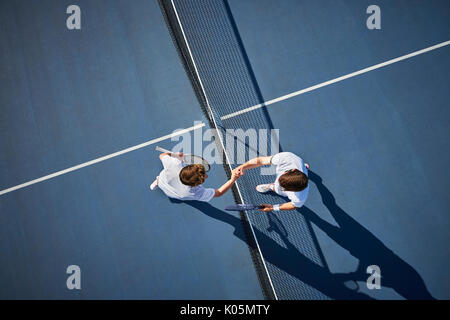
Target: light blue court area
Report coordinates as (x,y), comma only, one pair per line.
(81,112)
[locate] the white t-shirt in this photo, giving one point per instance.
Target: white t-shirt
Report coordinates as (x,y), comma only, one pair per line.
(169,182)
(285,161)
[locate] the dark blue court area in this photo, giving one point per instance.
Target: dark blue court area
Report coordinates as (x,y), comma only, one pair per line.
(82,110)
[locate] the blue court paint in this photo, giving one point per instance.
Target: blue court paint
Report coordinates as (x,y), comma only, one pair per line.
(377,141)
(71,96)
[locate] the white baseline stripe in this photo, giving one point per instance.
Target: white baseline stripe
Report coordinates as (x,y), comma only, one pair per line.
(109,156)
(231,115)
(326,83)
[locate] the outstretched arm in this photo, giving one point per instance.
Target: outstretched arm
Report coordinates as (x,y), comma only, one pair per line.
(170,154)
(235,174)
(254,163)
(277,207)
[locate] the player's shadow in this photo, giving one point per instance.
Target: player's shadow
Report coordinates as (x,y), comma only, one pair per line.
(286,258)
(349,234)
(368,249)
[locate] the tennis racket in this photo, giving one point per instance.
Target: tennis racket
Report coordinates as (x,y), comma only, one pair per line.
(243,207)
(190,159)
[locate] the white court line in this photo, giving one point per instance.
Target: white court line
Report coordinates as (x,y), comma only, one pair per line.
(231,115)
(109,156)
(327,83)
(219,135)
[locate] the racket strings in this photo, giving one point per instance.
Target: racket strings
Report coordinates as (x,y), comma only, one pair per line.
(193,159)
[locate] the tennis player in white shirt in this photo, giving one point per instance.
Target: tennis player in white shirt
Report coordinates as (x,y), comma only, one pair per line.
(184,182)
(291,181)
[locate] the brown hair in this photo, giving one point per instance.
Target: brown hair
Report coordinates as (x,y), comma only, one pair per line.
(294,180)
(193,175)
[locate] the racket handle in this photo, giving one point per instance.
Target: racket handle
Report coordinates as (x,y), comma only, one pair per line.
(162,149)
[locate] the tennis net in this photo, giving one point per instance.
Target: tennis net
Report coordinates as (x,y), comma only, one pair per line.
(208,42)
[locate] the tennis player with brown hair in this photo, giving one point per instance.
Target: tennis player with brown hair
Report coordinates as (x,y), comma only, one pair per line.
(291,180)
(181,181)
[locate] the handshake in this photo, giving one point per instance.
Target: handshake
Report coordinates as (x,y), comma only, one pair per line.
(239,172)
(236,173)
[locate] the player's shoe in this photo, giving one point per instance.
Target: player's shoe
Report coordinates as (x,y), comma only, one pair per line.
(263,188)
(154,185)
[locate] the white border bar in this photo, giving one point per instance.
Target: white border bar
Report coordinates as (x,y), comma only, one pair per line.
(223,146)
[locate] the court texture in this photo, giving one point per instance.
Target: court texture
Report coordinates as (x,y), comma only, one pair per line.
(81,112)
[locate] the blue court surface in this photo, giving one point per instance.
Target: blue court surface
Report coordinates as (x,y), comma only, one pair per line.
(81,112)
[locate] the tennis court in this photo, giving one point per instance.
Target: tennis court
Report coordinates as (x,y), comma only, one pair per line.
(83,110)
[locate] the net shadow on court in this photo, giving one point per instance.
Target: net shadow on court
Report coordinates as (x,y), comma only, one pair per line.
(349,234)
